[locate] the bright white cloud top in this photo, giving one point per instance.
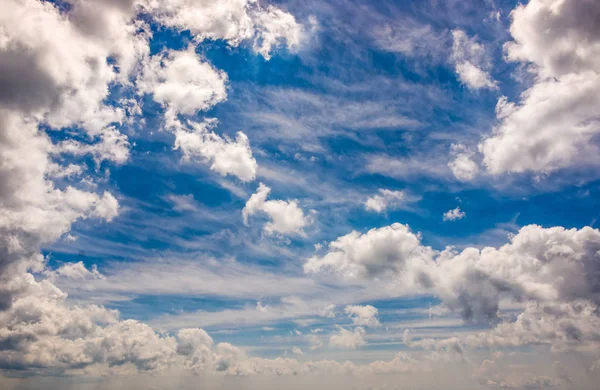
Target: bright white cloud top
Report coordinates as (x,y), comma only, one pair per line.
(133,134)
(286,216)
(556,118)
(454,214)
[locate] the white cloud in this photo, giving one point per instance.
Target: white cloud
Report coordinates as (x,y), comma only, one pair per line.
(228,20)
(406,168)
(226,156)
(363,315)
(75,271)
(553,124)
(463,167)
(57,67)
(571,24)
(54,70)
(106,207)
(112,146)
(32,211)
(64,66)
(286,216)
(561,326)
(63,79)
(275,26)
(348,339)
(454,214)
(182,82)
(470,60)
(67,338)
(231,20)
(195,277)
(183,203)
(261,308)
(297,351)
(328,311)
(388,199)
(409,38)
(545,265)
(185,85)
(63,76)
(474,77)
(378,253)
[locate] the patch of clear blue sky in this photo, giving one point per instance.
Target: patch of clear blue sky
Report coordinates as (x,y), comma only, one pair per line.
(342,70)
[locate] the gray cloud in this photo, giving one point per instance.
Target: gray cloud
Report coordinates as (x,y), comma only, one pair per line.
(546,265)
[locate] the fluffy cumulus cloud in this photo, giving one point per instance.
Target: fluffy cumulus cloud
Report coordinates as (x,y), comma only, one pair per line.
(226,156)
(555,121)
(563,326)
(234,21)
(55,72)
(470,60)
(76,271)
(462,165)
(42,334)
(54,67)
(571,326)
(554,270)
(378,253)
(63,68)
(388,199)
(286,217)
(363,315)
(32,77)
(186,84)
(112,145)
(183,82)
(454,214)
(545,265)
(348,339)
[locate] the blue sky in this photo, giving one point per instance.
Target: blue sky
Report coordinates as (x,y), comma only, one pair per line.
(383,146)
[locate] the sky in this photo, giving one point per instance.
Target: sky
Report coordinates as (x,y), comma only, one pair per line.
(294,194)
